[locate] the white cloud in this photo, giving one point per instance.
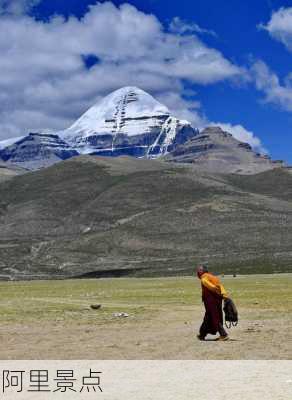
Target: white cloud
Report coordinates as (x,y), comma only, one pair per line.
(178,25)
(280,26)
(243,135)
(276,91)
(17,7)
(44,82)
(184,109)
(269,83)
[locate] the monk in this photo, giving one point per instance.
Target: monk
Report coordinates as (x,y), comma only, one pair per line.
(213,293)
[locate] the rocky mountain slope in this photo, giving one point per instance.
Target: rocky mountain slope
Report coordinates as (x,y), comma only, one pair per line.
(36,151)
(99,216)
(215,150)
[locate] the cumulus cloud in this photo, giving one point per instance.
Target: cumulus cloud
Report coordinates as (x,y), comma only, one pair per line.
(280,26)
(268,82)
(17,7)
(44,82)
(243,135)
(276,91)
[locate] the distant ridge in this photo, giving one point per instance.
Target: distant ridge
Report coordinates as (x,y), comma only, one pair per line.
(215,150)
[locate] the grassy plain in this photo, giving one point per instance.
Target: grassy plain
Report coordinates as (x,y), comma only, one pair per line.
(53,319)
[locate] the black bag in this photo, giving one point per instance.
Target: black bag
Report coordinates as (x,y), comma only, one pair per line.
(231,314)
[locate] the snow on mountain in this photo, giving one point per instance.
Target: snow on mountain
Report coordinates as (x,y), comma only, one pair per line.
(113,112)
(9,142)
(127,121)
(36,151)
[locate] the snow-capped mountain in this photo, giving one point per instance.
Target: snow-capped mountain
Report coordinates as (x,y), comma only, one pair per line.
(128,121)
(131,122)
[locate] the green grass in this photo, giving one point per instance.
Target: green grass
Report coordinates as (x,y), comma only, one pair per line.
(69,300)
(275,183)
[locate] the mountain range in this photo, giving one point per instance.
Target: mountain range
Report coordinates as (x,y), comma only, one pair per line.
(131,122)
(130,190)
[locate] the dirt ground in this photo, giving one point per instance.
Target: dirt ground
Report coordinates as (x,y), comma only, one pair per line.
(53,320)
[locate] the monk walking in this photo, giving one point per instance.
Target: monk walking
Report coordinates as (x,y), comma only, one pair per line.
(213,293)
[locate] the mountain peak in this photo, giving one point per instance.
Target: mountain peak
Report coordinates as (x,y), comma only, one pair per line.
(124,90)
(128,121)
(110,113)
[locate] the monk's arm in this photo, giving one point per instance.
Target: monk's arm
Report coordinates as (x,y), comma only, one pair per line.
(224,294)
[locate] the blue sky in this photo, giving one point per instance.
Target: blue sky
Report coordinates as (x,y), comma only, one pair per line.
(209,61)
